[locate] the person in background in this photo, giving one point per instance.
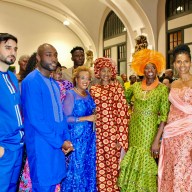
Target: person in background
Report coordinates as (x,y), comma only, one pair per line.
(60,77)
(132,79)
(111,124)
(175,169)
(11,134)
(23,60)
(126,82)
(46,130)
(169,74)
(31,64)
(57,75)
(79,109)
(138,169)
(78,58)
(167,82)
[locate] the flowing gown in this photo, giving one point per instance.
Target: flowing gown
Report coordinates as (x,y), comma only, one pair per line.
(81,173)
(175,163)
(111,129)
(138,168)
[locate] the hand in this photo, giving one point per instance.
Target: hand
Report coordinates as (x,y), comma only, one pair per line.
(155,149)
(92,118)
(67,147)
(118,145)
(2,151)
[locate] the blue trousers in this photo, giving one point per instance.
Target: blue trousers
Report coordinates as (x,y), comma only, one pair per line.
(10,166)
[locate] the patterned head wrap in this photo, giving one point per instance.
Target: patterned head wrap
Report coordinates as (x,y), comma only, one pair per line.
(104,62)
(146,56)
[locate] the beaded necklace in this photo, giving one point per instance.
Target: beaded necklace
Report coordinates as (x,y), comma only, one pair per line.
(153,85)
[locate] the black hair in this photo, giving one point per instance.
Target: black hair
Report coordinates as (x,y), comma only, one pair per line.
(58,64)
(168,78)
(31,65)
(75,49)
(6,36)
(182,48)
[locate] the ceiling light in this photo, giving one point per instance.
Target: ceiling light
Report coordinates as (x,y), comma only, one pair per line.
(66,22)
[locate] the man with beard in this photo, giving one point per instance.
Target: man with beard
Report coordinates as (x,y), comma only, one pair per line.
(11,144)
(78,58)
(46,131)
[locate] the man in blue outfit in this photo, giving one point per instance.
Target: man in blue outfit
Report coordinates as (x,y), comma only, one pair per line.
(11,145)
(46,130)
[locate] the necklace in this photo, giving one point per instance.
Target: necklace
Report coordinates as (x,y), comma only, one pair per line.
(146,87)
(82,94)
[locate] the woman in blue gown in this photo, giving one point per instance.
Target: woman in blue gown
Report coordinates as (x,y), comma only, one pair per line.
(79,109)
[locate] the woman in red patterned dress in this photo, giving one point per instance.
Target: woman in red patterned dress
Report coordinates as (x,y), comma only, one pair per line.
(111,124)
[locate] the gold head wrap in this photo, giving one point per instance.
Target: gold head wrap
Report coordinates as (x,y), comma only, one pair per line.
(146,56)
(104,62)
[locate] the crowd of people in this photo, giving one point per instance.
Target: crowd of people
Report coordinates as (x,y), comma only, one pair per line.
(60,132)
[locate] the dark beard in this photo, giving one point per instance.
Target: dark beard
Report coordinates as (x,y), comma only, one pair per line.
(45,66)
(9,62)
(4,60)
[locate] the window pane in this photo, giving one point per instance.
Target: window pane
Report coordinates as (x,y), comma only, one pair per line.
(113,26)
(179,36)
(170,46)
(175,36)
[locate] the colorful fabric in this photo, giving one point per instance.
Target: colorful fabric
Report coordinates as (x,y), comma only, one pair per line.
(104,62)
(146,56)
(175,169)
(81,170)
(138,168)
(67,84)
(111,129)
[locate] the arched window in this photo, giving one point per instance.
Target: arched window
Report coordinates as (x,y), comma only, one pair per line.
(113,26)
(115,41)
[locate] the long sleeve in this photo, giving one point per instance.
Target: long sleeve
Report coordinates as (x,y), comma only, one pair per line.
(38,113)
(68,106)
(122,118)
(164,106)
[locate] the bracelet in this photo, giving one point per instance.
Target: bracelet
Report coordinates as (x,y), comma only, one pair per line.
(77,119)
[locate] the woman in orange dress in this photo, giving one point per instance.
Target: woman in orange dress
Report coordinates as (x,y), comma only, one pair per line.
(111,124)
(175,163)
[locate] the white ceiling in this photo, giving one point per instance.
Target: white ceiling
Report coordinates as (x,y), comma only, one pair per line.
(87,17)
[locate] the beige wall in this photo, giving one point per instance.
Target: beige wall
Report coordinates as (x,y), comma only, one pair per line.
(179,22)
(33,28)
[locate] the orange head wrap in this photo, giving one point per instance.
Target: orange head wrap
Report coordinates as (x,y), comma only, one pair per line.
(104,62)
(146,56)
